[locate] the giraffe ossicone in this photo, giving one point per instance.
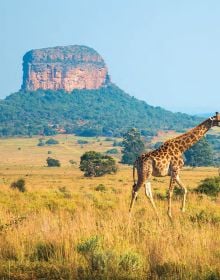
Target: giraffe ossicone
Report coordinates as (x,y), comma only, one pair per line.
(167,160)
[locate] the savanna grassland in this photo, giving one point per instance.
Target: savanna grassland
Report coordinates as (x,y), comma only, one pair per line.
(66,226)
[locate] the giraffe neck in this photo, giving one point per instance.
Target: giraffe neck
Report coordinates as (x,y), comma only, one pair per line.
(188,139)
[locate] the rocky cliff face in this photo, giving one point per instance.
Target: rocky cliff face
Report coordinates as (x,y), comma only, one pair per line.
(67,68)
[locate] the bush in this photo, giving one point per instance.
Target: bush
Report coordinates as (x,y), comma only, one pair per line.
(98,261)
(51,162)
(89,246)
(117,144)
(66,193)
(82,142)
(44,251)
(41,143)
(112,152)
(96,164)
(130,261)
(100,188)
(169,270)
(19,184)
(209,186)
(204,217)
(52,141)
(107,264)
(73,162)
(161,196)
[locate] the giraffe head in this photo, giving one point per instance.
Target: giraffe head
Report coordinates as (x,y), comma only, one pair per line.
(215,120)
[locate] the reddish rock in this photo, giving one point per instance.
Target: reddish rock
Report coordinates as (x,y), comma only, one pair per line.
(67,68)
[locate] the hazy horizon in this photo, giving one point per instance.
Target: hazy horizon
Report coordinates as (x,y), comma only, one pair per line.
(165,53)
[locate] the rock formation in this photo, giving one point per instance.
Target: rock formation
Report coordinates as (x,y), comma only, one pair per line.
(67,68)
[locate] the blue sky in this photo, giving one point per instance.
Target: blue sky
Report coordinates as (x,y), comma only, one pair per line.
(164,52)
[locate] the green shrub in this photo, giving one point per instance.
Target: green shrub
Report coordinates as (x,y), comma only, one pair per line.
(168,270)
(66,193)
(52,141)
(9,253)
(112,152)
(109,139)
(51,162)
(117,143)
(161,196)
(204,217)
(43,251)
(73,162)
(41,143)
(89,245)
(209,186)
(52,205)
(82,142)
(100,188)
(177,193)
(49,152)
(130,261)
(98,261)
(19,185)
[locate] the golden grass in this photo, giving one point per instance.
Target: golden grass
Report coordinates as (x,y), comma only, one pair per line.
(42,229)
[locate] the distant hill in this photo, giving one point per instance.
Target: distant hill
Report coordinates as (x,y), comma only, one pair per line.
(68,89)
(105,111)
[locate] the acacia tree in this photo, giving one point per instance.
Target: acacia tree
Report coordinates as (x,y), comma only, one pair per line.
(200,154)
(52,162)
(133,146)
(95,164)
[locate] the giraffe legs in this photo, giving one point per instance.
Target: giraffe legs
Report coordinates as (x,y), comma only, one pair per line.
(170,194)
(148,193)
(184,194)
(133,197)
(135,189)
(175,178)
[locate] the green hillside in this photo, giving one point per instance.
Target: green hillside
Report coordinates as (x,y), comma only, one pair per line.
(106,111)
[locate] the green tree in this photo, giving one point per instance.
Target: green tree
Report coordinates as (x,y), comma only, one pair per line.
(52,141)
(133,146)
(51,162)
(48,131)
(95,164)
(200,154)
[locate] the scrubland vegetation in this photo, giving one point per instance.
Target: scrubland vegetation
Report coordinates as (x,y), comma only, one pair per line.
(111,112)
(67,226)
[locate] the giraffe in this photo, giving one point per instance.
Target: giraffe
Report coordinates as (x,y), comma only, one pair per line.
(168,160)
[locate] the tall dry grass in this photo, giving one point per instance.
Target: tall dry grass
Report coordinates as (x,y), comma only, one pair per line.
(66,227)
(46,240)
